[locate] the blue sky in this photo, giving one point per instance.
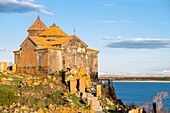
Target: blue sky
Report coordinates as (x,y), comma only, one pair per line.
(132,35)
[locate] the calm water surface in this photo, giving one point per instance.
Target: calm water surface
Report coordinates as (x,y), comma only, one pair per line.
(141,92)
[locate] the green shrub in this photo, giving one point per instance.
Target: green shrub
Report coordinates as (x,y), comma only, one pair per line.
(56,98)
(7,97)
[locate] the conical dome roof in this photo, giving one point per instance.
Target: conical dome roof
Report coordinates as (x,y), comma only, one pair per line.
(38,25)
(53,31)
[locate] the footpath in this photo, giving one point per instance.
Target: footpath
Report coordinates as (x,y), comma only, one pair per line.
(94,103)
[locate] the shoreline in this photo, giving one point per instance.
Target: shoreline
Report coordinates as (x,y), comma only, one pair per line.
(142,81)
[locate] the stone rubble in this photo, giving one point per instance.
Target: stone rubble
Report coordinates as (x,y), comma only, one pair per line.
(73,74)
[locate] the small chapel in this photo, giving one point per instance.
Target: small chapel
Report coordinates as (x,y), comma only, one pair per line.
(47,50)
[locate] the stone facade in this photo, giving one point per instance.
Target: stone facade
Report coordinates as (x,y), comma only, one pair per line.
(47,50)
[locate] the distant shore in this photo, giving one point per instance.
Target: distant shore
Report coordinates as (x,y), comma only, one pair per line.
(135,78)
(144,81)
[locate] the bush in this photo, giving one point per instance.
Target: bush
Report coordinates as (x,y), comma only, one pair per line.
(7,97)
(56,98)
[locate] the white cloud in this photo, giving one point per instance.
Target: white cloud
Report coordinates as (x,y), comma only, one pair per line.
(108,38)
(46,12)
(152,73)
(119,37)
(4,49)
(166,71)
(24,6)
(140,43)
(113,38)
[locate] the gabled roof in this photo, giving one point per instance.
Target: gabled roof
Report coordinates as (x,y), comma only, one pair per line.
(52,41)
(92,50)
(38,40)
(80,40)
(53,31)
(60,40)
(38,25)
(47,47)
(48,41)
(24,41)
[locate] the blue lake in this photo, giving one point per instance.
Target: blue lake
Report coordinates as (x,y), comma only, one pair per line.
(141,92)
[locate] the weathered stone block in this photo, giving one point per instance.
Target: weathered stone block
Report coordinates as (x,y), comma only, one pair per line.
(73,84)
(98,90)
(3,66)
(82,85)
(14,68)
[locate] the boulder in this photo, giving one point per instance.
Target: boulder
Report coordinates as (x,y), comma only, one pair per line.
(24,107)
(40,110)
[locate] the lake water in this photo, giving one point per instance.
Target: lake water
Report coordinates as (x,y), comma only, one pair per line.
(141,92)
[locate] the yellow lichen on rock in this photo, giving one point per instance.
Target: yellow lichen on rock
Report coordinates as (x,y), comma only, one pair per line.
(77,73)
(51,85)
(45,82)
(24,107)
(29,81)
(40,110)
(51,107)
(3,79)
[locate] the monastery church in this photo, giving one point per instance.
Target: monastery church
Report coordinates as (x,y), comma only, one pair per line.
(48,50)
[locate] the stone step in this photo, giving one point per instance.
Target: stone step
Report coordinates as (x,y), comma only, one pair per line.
(90,98)
(95,103)
(90,95)
(94,98)
(97,108)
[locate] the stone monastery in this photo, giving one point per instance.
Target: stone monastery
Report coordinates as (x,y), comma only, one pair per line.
(48,50)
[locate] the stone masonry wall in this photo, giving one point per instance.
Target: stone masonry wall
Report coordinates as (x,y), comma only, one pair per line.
(28,57)
(73,53)
(48,61)
(92,64)
(17,58)
(42,61)
(54,61)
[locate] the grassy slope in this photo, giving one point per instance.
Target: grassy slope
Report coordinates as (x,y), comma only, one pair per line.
(36,96)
